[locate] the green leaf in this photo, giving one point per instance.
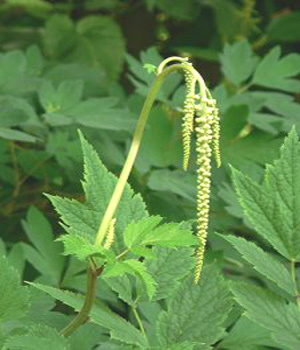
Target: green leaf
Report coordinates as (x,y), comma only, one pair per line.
(10,114)
(238,61)
(285,28)
(61,99)
(147,232)
(84,218)
(46,256)
(271,312)
(263,262)
(273,207)
(80,246)
(102,113)
(276,73)
(248,333)
(119,328)
(196,312)
(36,338)
(121,285)
(13,296)
(162,145)
(176,181)
(168,268)
(16,135)
(95,40)
(150,68)
(133,267)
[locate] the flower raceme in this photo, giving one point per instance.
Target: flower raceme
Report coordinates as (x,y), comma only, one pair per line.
(201,118)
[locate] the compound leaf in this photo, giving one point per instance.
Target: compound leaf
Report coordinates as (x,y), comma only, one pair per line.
(273,208)
(196,312)
(14,298)
(238,61)
(277,73)
(119,328)
(271,312)
(37,337)
(168,268)
(263,262)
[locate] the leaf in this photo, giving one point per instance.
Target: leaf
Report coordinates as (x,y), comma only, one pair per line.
(273,206)
(102,113)
(196,312)
(119,328)
(147,232)
(46,256)
(150,68)
(95,40)
(121,285)
(16,135)
(271,312)
(67,95)
(249,334)
(263,262)
(36,338)
(285,28)
(133,267)
(238,61)
(176,181)
(13,296)
(84,218)
(161,146)
(276,73)
(168,268)
(80,246)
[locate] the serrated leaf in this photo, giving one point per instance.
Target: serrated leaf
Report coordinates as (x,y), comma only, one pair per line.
(248,333)
(133,267)
(196,312)
(273,206)
(13,296)
(271,312)
(119,328)
(263,262)
(121,285)
(147,232)
(46,256)
(276,73)
(238,61)
(168,268)
(36,338)
(84,218)
(81,247)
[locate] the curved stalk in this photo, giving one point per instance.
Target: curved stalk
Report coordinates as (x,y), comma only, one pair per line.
(136,141)
(83,315)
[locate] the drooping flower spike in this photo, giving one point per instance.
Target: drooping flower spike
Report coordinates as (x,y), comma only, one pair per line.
(200,116)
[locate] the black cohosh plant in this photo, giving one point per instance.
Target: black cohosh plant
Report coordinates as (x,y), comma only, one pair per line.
(201,117)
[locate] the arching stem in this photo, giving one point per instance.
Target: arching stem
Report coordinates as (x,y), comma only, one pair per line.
(136,141)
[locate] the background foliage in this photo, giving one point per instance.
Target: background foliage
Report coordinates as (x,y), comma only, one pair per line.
(66,65)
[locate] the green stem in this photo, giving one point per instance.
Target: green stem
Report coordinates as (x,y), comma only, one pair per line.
(136,141)
(293,275)
(82,316)
(139,321)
